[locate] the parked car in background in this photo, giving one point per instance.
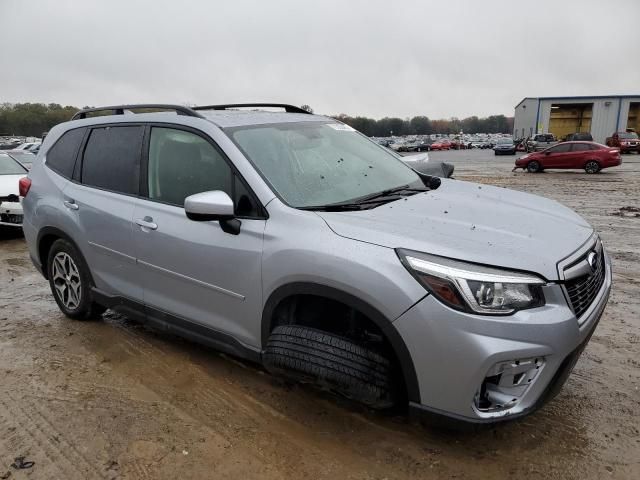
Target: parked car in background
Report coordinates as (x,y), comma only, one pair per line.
(397,146)
(505,146)
(625,141)
(11,172)
(423,164)
(540,141)
(590,156)
(441,145)
(23,156)
(28,146)
(361,276)
(482,144)
(579,137)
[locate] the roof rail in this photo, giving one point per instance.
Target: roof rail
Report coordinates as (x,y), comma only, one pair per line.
(121,109)
(287,108)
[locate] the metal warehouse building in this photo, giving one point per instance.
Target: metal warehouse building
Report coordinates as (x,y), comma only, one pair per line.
(601,116)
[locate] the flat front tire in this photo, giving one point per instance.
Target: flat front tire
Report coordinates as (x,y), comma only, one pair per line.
(534,166)
(70,281)
(334,363)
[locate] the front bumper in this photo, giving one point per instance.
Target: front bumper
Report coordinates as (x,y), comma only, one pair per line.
(453,351)
(11,214)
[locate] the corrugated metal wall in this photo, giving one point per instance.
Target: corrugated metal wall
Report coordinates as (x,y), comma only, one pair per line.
(608,114)
(525,118)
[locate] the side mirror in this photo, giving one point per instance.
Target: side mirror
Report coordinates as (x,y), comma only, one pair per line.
(213,206)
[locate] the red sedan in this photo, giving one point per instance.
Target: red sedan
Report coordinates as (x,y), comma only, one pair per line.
(590,156)
(441,145)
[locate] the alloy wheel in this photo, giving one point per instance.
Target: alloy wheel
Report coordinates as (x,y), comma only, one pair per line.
(592,167)
(66,280)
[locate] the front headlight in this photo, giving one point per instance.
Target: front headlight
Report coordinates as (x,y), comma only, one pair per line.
(474,288)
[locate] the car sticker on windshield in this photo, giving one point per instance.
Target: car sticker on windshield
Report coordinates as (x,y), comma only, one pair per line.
(341,127)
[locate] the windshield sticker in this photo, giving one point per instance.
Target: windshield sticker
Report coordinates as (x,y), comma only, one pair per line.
(341,127)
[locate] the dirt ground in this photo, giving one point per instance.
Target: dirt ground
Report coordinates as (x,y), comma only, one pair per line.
(112,399)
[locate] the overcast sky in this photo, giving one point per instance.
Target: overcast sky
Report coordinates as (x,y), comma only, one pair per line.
(374,58)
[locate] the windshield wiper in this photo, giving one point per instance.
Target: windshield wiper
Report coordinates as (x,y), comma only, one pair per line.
(368,201)
(335,207)
(395,192)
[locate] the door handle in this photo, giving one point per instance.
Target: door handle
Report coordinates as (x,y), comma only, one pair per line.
(147,222)
(71,204)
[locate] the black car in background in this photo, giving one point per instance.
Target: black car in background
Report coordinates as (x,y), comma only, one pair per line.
(579,137)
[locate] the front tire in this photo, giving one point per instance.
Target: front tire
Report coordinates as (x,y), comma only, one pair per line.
(534,166)
(70,281)
(592,167)
(334,363)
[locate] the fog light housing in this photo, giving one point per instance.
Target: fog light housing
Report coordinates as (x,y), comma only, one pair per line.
(506,383)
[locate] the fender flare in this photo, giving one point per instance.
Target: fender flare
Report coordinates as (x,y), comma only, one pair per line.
(53,231)
(397,343)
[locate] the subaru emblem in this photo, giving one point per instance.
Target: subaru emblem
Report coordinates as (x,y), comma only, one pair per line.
(591,258)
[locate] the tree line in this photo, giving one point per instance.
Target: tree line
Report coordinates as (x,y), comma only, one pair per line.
(32,119)
(422,125)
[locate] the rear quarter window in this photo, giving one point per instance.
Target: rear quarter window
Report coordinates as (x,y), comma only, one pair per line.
(61,158)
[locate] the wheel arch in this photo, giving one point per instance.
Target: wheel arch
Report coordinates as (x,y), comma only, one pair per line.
(395,340)
(46,237)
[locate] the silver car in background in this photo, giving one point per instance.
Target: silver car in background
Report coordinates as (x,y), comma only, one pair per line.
(291,240)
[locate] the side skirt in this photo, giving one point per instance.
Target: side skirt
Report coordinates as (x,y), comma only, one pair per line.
(182,327)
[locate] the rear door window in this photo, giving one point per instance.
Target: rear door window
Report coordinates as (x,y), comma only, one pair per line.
(112,158)
(61,157)
(580,147)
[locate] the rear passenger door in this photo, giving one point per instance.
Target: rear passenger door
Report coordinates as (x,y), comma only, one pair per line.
(204,278)
(102,198)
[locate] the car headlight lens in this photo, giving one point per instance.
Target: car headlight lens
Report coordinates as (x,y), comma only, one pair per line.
(474,288)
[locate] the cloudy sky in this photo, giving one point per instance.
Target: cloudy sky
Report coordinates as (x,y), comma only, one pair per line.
(360,57)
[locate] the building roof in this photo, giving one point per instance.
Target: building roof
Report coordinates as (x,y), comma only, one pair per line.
(580,97)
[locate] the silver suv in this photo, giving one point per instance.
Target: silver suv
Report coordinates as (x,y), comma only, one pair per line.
(541,141)
(292,240)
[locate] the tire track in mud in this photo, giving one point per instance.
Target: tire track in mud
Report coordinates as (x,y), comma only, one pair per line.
(33,433)
(236,415)
(206,398)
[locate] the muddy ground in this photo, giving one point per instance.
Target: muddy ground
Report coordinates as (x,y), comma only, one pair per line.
(112,399)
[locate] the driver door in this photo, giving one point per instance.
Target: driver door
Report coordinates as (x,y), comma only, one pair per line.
(558,156)
(191,270)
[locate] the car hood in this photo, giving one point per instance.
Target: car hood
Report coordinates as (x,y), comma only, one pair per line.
(472,222)
(9,184)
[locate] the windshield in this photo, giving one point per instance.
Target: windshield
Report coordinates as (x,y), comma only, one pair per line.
(505,141)
(628,135)
(313,164)
(8,166)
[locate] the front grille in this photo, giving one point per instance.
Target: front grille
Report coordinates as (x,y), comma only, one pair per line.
(583,290)
(7,218)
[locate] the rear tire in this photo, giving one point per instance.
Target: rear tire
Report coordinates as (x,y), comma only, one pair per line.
(334,363)
(592,167)
(534,166)
(70,281)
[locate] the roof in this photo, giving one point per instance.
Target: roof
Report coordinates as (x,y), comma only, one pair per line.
(579,97)
(220,118)
(238,118)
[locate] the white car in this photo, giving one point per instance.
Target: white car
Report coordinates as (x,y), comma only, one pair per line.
(11,171)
